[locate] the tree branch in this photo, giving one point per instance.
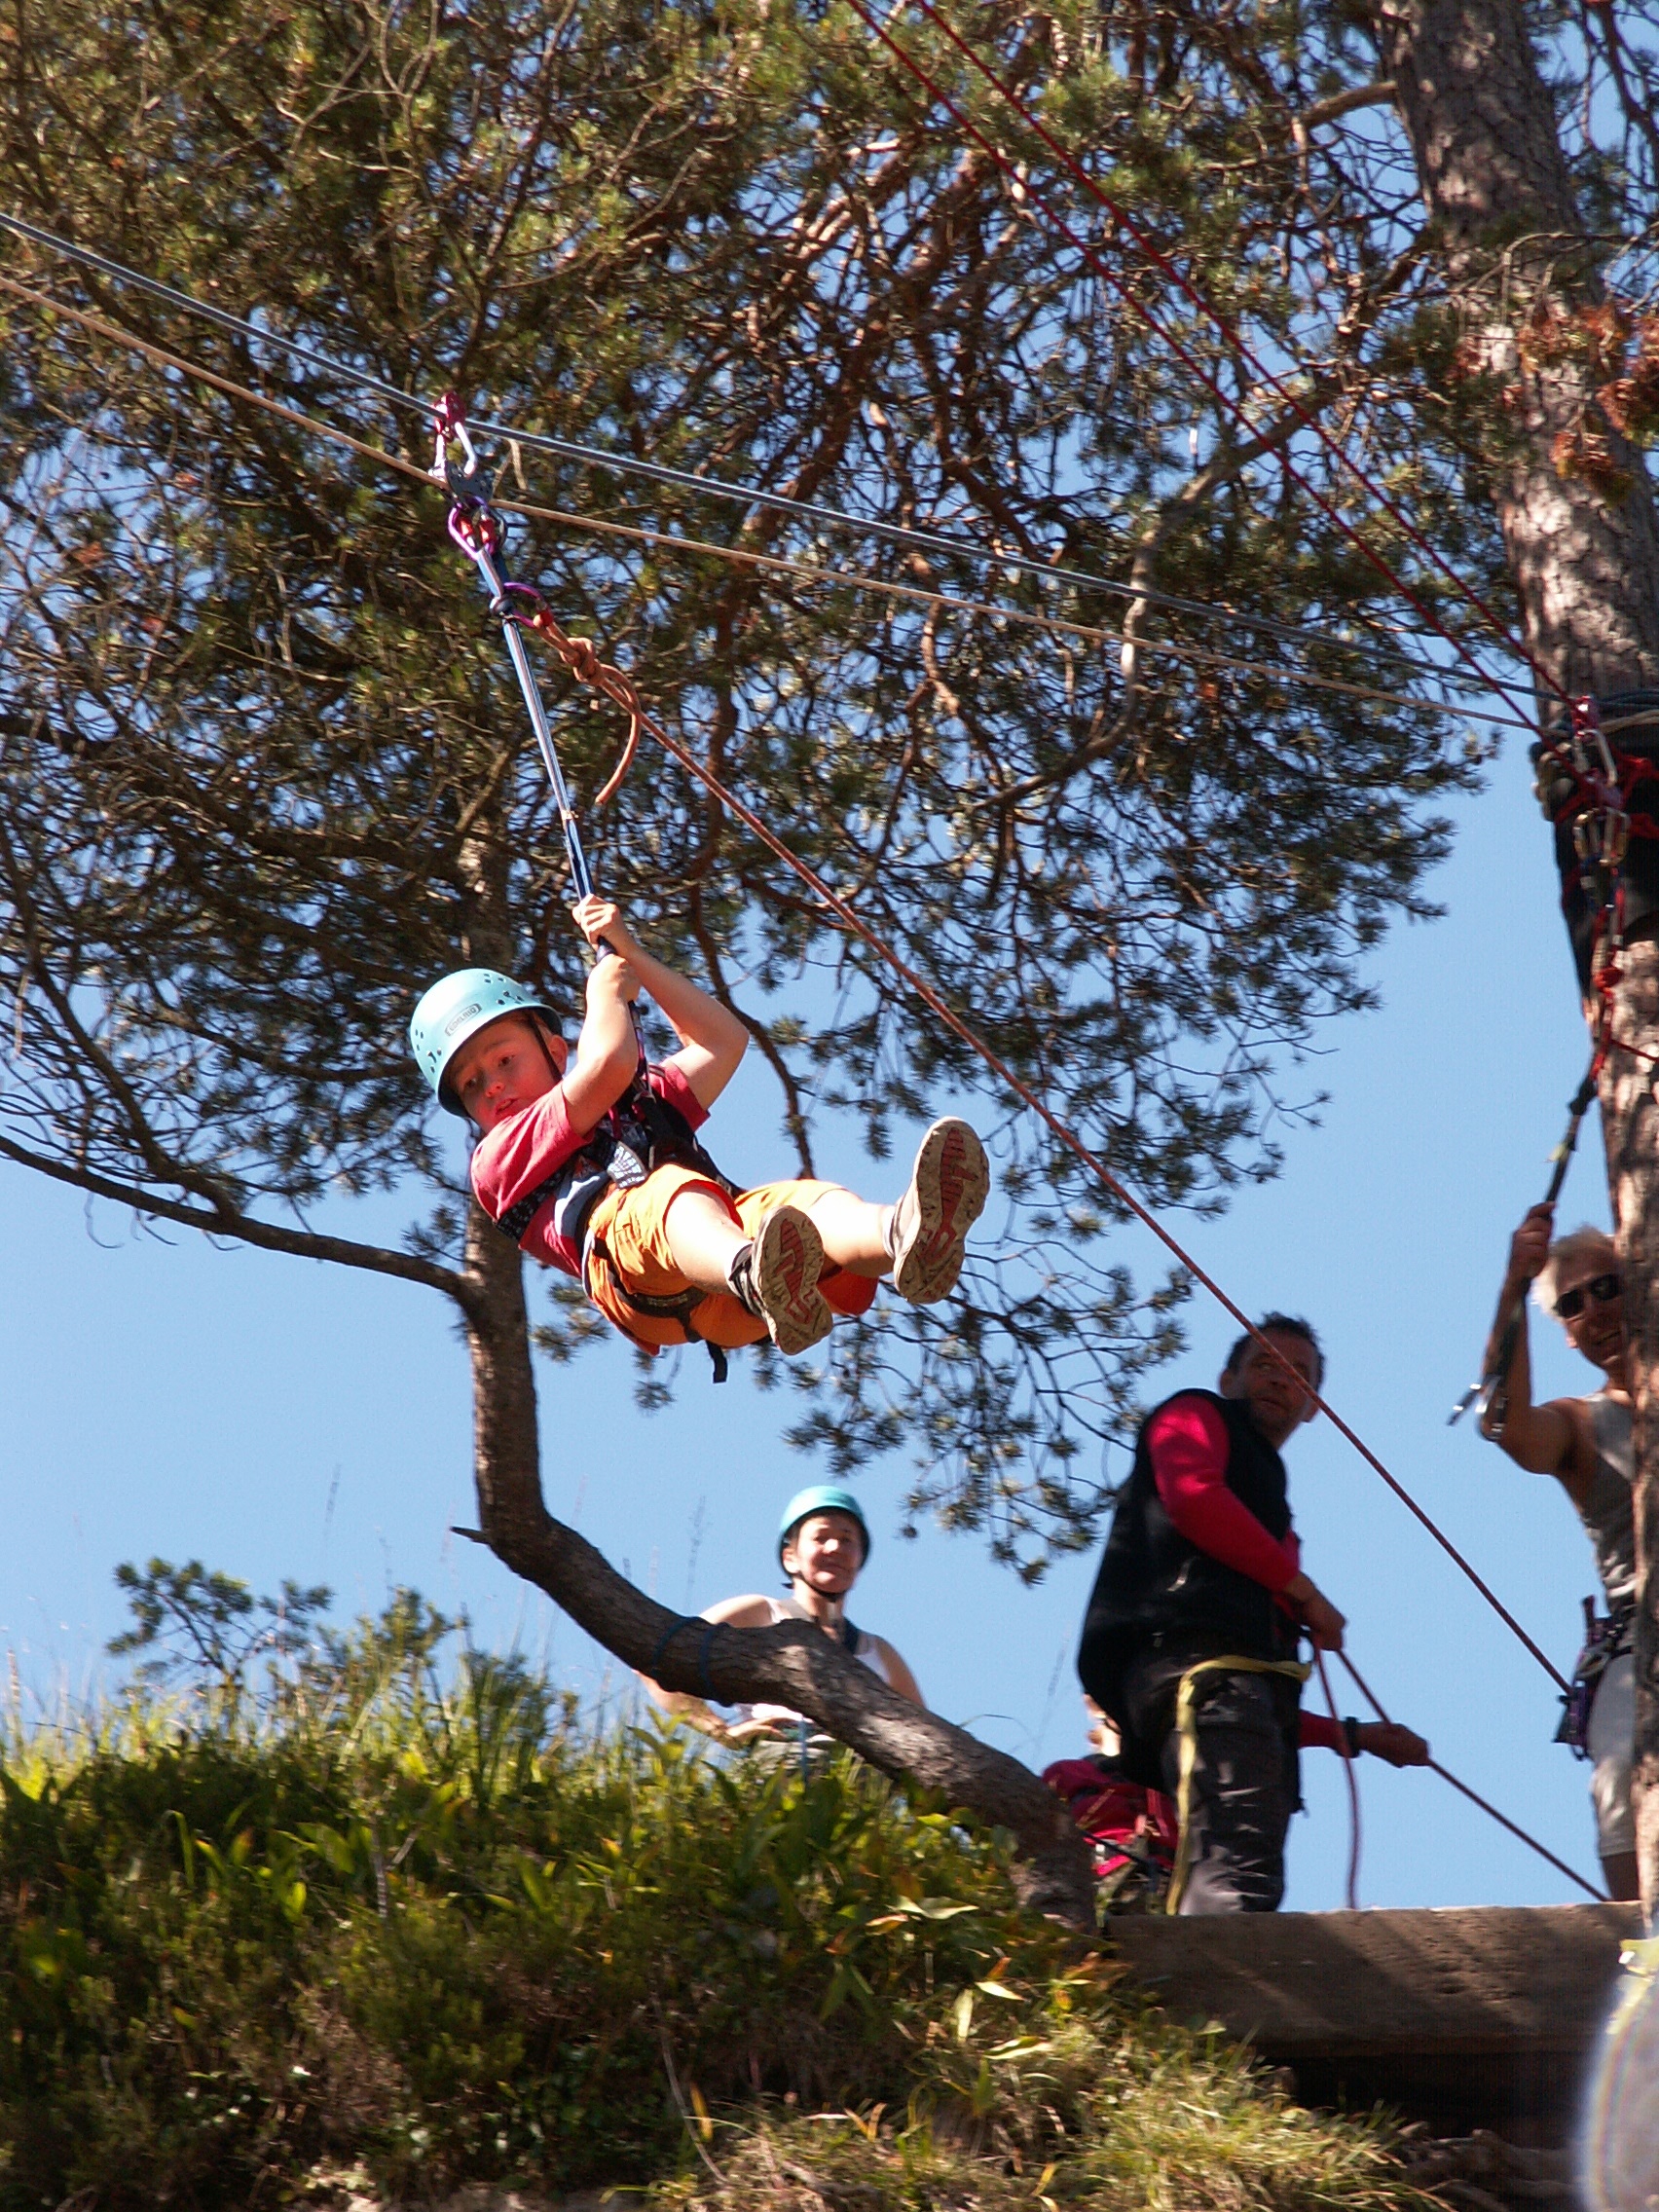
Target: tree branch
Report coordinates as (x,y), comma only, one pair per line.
(269,1235)
(795,1664)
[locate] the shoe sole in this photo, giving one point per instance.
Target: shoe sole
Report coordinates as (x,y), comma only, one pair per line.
(788,1261)
(949,1185)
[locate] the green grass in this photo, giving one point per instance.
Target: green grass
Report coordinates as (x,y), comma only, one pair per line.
(440,1934)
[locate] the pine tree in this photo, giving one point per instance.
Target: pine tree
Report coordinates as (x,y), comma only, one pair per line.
(264,775)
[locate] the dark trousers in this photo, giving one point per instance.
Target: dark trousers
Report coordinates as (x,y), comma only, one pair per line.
(1245,1782)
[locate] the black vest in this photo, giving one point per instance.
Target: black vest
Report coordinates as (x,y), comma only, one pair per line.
(1153,1583)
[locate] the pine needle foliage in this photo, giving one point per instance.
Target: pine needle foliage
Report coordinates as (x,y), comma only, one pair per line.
(264,775)
(344,1916)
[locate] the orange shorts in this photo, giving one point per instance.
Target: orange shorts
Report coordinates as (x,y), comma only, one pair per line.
(627,1244)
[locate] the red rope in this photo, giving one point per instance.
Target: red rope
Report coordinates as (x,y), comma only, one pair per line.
(1351,1893)
(1028,191)
(1502,1818)
(615,686)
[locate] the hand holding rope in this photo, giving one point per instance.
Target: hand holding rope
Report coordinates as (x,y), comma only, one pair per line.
(1601,836)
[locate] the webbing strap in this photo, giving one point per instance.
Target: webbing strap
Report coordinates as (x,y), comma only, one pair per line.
(515,1222)
(1187,1727)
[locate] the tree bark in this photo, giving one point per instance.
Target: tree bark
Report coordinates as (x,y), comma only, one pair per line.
(1586,571)
(1489,157)
(1630,1125)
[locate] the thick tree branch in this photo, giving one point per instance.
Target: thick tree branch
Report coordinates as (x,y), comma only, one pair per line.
(797,1664)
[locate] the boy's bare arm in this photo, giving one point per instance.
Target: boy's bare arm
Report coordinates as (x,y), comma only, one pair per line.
(712,1040)
(602,1066)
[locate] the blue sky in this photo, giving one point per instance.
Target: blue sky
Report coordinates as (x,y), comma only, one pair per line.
(275,1418)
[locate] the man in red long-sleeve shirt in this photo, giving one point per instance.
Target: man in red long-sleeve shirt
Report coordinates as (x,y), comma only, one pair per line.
(1202,1567)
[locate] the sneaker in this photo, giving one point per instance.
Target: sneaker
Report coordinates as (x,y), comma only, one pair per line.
(775,1277)
(949,1185)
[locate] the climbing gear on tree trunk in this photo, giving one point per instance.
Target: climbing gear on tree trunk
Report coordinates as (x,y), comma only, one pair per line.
(1584,785)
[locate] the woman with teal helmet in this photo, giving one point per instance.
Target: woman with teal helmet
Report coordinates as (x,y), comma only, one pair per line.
(822,1544)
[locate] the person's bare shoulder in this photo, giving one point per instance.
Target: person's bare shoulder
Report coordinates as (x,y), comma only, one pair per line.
(899,1673)
(751,1611)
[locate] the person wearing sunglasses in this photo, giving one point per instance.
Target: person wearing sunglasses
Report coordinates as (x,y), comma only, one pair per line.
(1586,1444)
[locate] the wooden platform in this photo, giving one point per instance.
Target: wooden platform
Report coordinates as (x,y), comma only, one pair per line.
(1462,2018)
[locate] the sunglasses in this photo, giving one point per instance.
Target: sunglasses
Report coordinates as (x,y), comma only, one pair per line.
(1604,1289)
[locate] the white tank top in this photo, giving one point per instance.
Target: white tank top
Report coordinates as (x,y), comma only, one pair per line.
(867,1651)
(1609,1510)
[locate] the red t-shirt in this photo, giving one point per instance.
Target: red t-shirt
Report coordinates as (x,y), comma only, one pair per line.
(528,1147)
(1189,1446)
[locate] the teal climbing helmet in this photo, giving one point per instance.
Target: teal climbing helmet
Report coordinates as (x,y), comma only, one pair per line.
(457,1009)
(822,1497)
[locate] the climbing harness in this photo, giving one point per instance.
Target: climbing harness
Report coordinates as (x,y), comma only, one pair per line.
(1606,1637)
(1585,788)
(1187,1728)
(642,1132)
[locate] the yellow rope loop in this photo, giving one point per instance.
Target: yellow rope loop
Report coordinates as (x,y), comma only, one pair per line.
(1187,1727)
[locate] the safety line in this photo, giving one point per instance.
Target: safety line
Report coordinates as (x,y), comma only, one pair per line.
(618,687)
(628,697)
(1502,1818)
(852,580)
(1350,1892)
(1027,191)
(805,510)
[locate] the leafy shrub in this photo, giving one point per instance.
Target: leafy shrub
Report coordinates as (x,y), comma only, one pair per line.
(357,1915)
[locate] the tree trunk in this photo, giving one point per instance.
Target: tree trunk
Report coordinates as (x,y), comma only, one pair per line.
(1586,571)
(1630,1123)
(793,1664)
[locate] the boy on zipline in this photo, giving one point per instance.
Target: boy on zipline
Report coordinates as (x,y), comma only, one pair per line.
(588,1160)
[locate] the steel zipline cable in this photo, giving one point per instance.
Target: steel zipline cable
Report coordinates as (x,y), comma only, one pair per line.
(936,542)
(1201,656)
